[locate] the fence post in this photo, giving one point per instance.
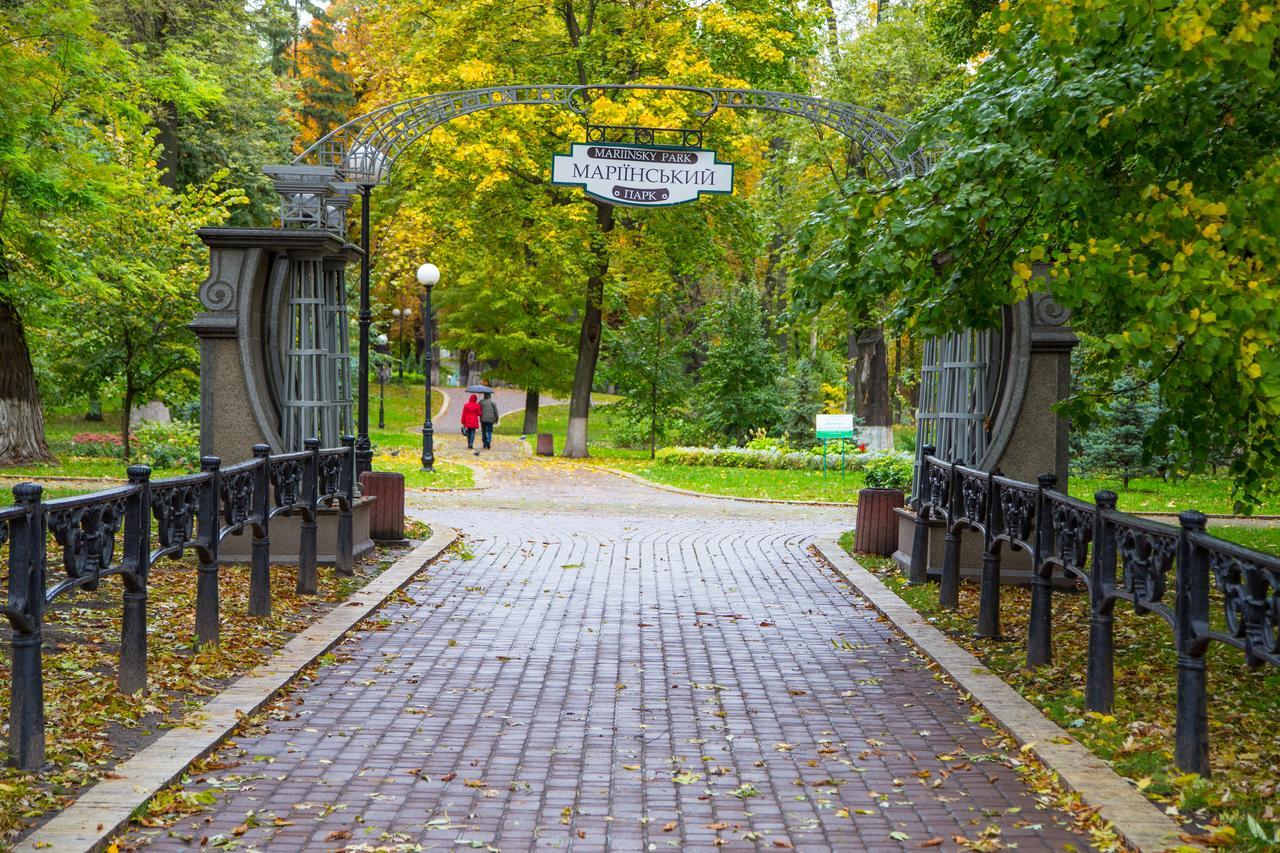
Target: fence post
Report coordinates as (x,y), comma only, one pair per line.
(989,600)
(342,560)
(260,565)
(26,587)
(918,572)
(1191,739)
(1040,620)
(949,589)
(307,535)
(1100,688)
(137,557)
(210,524)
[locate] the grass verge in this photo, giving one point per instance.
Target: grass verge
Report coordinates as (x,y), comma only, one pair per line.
(1236,807)
(91,726)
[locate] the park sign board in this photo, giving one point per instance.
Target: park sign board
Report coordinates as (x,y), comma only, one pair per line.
(835,426)
(642,175)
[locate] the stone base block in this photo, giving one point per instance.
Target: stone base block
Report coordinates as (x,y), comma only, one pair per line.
(285,534)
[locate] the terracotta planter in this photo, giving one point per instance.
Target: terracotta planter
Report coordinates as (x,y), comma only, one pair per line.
(876,525)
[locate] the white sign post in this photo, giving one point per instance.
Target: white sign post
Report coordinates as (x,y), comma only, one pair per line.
(642,175)
(834,427)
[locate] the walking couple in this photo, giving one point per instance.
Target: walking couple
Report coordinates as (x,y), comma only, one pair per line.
(480,415)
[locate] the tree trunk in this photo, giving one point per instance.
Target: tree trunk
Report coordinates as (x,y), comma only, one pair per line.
(126,419)
(21,418)
(464,367)
(873,403)
(167,125)
(584,373)
(851,371)
(530,411)
(95,409)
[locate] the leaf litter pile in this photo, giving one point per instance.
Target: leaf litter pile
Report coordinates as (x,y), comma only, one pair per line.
(90,726)
(1237,807)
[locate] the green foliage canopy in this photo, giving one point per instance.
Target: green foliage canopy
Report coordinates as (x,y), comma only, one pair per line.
(1122,154)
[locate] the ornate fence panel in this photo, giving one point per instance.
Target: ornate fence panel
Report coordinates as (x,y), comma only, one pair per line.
(124,531)
(1177,574)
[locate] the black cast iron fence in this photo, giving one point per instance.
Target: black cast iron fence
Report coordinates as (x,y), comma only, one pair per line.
(1178,573)
(125,530)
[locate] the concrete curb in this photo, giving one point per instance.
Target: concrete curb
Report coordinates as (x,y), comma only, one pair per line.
(677,490)
(90,822)
(1140,822)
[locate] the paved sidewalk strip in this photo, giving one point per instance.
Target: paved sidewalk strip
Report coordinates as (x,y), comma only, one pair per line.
(593,682)
(1137,819)
(105,808)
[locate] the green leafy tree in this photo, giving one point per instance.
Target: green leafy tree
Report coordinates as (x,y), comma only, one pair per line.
(206,78)
(645,363)
(66,93)
(1122,155)
(738,389)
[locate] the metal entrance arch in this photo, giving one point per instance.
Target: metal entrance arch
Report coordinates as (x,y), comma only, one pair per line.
(316,189)
(363,150)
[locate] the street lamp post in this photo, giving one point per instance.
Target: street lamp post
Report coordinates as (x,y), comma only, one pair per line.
(428,277)
(384,373)
(403,317)
(364,449)
(365,166)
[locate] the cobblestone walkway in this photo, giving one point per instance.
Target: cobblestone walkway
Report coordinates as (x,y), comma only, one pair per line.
(613,668)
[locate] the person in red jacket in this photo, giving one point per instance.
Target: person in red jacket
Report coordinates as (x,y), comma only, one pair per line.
(471,421)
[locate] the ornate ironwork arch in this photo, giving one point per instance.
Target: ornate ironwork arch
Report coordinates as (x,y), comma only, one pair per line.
(316,187)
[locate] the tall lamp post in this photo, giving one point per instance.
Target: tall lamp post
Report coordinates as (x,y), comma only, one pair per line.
(428,277)
(365,166)
(403,317)
(384,373)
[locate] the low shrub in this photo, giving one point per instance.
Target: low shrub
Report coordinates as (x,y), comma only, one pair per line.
(888,470)
(174,445)
(894,462)
(103,445)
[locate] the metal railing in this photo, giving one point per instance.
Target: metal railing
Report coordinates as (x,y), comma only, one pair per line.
(1178,573)
(124,531)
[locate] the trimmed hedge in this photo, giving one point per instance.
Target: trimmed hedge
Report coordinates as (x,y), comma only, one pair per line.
(774,460)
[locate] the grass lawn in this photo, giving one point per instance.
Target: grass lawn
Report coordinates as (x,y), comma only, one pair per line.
(735,482)
(1137,739)
(399,446)
(1210,495)
(751,482)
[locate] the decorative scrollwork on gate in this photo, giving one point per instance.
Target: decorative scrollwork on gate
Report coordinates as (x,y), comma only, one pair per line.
(1251,601)
(87,534)
(175,509)
(330,476)
(1147,557)
(939,486)
(286,480)
(1016,508)
(237,496)
(1072,528)
(973,496)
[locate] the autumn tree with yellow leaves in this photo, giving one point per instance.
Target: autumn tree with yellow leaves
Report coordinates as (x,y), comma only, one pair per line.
(528,265)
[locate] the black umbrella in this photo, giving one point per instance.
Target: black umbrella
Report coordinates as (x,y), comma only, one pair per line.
(479,389)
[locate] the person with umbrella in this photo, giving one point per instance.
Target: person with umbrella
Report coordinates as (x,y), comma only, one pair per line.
(488,417)
(471,421)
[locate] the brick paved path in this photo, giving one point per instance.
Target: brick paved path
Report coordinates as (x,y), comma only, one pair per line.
(623,669)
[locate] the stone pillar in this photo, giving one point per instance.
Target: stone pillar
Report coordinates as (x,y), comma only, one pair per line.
(1026,438)
(246,376)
